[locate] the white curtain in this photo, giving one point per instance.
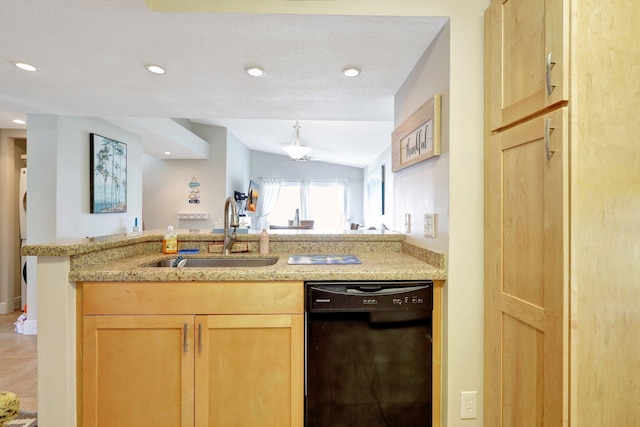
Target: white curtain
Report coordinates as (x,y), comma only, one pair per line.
(267,198)
(305,187)
(343,200)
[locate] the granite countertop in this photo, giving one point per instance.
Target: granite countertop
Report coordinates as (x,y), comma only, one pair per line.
(375,266)
(92,244)
(125,257)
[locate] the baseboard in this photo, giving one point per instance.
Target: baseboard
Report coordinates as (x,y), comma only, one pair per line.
(5,308)
(31,327)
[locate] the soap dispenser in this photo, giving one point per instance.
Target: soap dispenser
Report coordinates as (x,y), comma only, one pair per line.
(170,241)
(263,242)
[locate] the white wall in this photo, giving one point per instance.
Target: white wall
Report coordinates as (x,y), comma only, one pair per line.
(424,187)
(166,185)
(58,185)
(452,187)
(58,190)
(238,163)
(269,165)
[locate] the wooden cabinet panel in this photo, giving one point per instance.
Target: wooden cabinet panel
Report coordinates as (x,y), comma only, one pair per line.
(193,297)
(523,190)
(523,371)
(523,35)
(167,369)
(136,371)
(526,305)
(251,371)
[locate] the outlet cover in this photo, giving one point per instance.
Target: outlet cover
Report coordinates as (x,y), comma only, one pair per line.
(430,225)
(468,405)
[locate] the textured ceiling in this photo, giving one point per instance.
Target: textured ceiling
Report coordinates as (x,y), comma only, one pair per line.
(91,56)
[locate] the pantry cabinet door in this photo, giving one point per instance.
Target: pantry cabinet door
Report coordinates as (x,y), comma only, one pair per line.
(526,278)
(249,370)
(138,371)
(528,58)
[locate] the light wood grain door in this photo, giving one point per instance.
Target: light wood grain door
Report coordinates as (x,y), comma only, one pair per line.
(525,36)
(526,300)
(138,371)
(249,370)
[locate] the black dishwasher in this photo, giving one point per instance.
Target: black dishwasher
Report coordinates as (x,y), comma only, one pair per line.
(368,354)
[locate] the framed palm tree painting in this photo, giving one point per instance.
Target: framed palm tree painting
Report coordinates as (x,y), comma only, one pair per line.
(108,175)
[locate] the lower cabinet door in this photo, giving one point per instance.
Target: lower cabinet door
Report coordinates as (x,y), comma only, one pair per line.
(249,370)
(138,371)
(526,275)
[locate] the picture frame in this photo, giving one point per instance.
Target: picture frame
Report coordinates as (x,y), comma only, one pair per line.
(252,196)
(108,175)
(418,137)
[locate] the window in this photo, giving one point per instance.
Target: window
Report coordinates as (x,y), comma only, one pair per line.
(323,203)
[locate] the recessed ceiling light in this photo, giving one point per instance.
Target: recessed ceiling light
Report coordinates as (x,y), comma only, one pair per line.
(26,67)
(351,72)
(156,69)
(168,153)
(255,71)
(19,121)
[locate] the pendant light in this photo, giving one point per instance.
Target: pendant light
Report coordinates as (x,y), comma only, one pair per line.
(296,150)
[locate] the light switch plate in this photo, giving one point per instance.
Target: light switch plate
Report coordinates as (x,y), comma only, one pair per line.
(407,223)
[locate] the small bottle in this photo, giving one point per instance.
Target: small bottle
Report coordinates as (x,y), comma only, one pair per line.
(170,241)
(263,242)
(296,219)
(135,225)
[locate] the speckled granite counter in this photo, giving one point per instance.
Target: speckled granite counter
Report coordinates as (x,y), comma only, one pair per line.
(384,256)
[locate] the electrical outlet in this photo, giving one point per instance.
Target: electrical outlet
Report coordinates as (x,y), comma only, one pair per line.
(430,225)
(407,223)
(468,404)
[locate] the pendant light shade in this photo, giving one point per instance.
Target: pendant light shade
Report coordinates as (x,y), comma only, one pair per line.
(296,150)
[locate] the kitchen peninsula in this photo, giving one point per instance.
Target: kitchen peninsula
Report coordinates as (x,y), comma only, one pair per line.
(113,279)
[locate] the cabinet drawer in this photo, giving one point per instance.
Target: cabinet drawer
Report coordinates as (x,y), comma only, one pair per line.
(192,297)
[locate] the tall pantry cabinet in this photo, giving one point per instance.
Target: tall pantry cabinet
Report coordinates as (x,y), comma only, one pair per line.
(562,209)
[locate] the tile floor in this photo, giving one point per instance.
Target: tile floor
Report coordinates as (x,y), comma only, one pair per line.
(18,363)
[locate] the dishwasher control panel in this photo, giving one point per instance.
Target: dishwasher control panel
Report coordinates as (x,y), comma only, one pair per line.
(369,296)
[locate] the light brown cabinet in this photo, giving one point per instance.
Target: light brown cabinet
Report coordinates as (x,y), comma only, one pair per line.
(526,301)
(528,66)
(159,366)
(249,371)
(526,210)
(136,372)
(561,229)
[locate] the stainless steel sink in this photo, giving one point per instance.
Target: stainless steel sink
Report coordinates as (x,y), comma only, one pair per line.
(219,262)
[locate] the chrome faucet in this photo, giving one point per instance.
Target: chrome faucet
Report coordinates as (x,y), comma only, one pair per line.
(230,238)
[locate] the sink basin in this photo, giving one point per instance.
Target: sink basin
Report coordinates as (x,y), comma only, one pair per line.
(220,262)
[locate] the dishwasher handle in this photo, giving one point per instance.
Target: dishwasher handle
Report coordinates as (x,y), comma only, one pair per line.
(366,289)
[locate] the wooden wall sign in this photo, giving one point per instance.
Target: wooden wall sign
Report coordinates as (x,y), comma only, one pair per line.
(418,137)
